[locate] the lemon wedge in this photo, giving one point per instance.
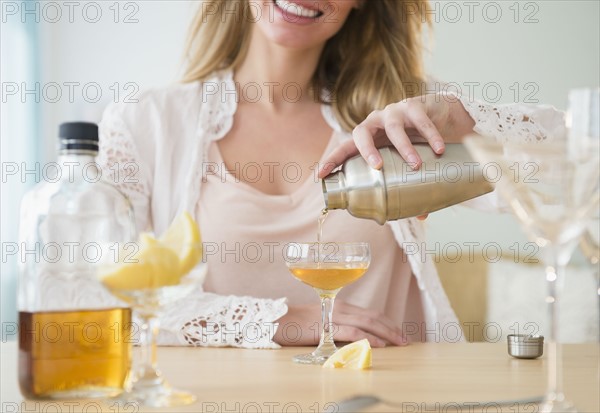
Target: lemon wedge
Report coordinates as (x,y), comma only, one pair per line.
(183,238)
(153,266)
(355,356)
(158,262)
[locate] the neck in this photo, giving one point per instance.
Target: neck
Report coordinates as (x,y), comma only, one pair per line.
(284,75)
(78,167)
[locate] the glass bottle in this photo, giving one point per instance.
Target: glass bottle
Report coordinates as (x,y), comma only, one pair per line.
(73,335)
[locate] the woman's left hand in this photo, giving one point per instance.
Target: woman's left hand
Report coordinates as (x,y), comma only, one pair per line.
(433,118)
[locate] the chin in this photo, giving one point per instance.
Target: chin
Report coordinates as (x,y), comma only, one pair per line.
(295,40)
(301,24)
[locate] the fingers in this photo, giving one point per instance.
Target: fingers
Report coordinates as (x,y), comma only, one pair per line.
(395,129)
(351,323)
(364,141)
(394,120)
(337,157)
(419,120)
(422,217)
(344,307)
(364,138)
(373,326)
(371,321)
(350,334)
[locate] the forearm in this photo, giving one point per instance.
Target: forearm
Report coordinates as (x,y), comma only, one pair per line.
(461,122)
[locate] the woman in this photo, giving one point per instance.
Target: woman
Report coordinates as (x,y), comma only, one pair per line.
(273,95)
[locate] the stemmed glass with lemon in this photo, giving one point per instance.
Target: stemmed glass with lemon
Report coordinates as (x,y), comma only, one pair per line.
(149,275)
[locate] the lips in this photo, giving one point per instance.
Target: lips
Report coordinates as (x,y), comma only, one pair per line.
(307,10)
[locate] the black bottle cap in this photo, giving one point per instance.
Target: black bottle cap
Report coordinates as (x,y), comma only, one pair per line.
(78,137)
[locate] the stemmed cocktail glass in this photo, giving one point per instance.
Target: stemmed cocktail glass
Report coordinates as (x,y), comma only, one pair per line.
(327,267)
(149,280)
(553,190)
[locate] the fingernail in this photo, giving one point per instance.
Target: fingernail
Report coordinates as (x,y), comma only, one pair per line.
(413,161)
(374,161)
(438,147)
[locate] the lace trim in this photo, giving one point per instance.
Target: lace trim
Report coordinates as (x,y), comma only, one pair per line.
(217,119)
(505,123)
(118,158)
(211,320)
(214,121)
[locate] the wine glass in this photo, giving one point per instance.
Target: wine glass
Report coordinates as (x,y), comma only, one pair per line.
(583,121)
(590,247)
(326,267)
(553,190)
(149,280)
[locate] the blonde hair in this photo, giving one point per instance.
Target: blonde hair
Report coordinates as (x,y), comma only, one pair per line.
(375,59)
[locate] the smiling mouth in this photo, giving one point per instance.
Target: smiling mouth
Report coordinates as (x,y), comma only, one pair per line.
(293,9)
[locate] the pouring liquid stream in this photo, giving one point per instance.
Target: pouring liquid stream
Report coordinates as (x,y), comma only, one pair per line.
(320,223)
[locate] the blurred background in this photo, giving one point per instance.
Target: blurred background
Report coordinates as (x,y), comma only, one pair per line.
(66,61)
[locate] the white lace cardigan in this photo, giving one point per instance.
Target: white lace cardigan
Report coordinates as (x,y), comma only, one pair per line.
(154,150)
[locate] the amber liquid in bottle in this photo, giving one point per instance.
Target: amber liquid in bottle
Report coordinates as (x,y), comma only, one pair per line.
(71,354)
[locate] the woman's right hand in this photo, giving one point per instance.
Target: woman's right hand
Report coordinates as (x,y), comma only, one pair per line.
(419,119)
(299,327)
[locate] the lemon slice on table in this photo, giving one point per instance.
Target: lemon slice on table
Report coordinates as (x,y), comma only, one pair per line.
(355,356)
(153,266)
(183,238)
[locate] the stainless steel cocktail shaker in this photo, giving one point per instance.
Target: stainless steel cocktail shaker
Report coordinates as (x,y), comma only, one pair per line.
(397,191)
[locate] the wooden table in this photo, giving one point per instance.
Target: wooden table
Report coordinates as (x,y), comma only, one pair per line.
(228,380)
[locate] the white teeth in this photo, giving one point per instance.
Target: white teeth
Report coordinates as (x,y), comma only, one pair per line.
(296,9)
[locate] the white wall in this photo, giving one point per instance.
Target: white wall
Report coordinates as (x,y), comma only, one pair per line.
(142,50)
(545,59)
